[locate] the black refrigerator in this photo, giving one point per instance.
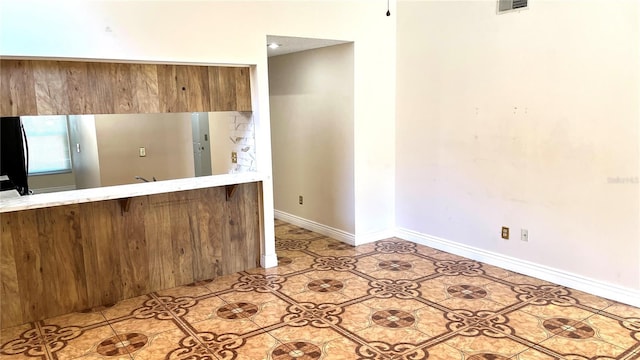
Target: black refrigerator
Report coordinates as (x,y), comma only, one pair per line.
(13,155)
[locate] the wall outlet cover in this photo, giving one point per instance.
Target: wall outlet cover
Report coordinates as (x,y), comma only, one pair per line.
(505,233)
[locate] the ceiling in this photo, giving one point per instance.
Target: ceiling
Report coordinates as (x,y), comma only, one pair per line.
(290,44)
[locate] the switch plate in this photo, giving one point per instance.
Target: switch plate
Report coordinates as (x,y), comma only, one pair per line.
(234,157)
(505,233)
(524,234)
(142,152)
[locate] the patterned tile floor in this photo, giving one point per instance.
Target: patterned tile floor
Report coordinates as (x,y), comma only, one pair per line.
(388,300)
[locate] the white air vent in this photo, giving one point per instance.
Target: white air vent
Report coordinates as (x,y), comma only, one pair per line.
(511,5)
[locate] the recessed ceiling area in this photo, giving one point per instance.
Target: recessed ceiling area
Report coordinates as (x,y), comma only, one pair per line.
(290,44)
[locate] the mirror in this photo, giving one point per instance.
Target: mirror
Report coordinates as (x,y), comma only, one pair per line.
(117,149)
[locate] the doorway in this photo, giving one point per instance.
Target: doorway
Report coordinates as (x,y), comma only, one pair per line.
(201,144)
(311,97)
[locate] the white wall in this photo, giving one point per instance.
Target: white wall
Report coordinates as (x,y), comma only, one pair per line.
(311,98)
(234,32)
(524,120)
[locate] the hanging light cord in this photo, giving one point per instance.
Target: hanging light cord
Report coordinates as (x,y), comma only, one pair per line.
(388,12)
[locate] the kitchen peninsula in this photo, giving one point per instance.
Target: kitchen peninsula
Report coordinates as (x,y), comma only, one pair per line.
(75,250)
(71,251)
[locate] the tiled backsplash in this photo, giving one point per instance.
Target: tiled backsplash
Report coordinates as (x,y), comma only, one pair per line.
(242,138)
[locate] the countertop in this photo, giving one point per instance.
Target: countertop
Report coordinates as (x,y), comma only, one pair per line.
(123,191)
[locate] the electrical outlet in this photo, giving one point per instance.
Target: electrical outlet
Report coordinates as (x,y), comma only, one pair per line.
(234,157)
(524,234)
(505,233)
(142,151)
(300,199)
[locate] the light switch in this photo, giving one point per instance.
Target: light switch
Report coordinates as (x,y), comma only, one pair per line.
(143,152)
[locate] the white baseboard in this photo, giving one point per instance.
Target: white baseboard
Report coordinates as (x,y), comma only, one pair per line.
(268,260)
(375,236)
(575,281)
(578,282)
(316,227)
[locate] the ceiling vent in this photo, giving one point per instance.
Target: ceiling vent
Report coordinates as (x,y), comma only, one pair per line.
(511,5)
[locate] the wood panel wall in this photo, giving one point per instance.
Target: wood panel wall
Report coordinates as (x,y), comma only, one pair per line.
(69,258)
(39,87)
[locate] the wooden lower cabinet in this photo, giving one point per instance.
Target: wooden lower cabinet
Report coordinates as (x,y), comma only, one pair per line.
(70,258)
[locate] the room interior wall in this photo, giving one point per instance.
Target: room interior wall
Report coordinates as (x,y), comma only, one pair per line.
(41,184)
(311,98)
(167,140)
(234,32)
(528,120)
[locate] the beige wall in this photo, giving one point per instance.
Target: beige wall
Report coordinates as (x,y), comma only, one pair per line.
(311,97)
(167,139)
(525,120)
(40,184)
(220,143)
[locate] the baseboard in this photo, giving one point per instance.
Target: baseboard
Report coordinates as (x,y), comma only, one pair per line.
(575,281)
(268,260)
(578,282)
(374,236)
(322,229)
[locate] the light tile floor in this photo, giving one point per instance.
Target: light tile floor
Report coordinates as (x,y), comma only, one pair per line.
(388,300)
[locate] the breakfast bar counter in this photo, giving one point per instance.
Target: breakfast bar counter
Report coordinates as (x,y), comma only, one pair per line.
(123,191)
(76,250)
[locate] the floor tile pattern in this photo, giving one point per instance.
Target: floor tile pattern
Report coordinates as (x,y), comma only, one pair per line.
(391,299)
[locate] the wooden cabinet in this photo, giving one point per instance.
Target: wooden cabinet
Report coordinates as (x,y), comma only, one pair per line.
(17,88)
(39,87)
(183,87)
(230,88)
